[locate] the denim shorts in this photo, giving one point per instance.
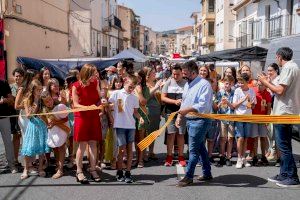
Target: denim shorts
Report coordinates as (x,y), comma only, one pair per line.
(244,130)
(260,130)
(125,136)
(173,129)
(214,130)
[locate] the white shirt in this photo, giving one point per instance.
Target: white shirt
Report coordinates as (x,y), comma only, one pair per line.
(124,119)
(289,102)
(240,94)
(56,136)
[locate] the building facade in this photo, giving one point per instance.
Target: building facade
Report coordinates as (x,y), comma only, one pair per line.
(224,26)
(150,41)
(106,28)
(42,34)
(260,21)
(130,24)
(185,41)
(208,26)
(80,19)
(197,31)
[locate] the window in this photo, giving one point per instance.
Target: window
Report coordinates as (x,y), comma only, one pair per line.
(221,31)
(211,5)
(211,28)
(267,11)
(218,33)
(230,30)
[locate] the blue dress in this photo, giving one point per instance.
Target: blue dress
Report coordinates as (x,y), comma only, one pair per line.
(35,139)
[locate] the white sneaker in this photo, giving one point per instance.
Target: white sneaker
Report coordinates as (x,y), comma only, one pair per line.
(239,164)
(246,163)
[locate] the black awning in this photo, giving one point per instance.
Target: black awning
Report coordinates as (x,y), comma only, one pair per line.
(241,54)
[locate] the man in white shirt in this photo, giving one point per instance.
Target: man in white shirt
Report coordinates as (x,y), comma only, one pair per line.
(286,102)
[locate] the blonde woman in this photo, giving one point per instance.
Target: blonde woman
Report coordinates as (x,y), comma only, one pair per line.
(87,129)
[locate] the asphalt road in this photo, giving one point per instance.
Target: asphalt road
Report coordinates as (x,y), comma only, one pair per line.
(153,182)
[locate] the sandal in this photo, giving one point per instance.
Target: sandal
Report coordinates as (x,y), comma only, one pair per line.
(24,175)
(58,175)
(95,176)
(42,173)
(81,178)
(140,165)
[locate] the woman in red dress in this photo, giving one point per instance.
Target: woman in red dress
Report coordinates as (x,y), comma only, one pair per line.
(87,127)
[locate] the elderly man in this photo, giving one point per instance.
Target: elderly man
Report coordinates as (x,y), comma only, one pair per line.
(286,102)
(197,97)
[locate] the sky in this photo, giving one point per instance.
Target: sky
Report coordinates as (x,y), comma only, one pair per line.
(163,15)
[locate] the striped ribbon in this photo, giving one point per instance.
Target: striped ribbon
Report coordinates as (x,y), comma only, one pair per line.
(260,119)
(87,108)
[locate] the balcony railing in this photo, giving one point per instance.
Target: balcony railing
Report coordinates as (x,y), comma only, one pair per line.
(278,26)
(112,21)
(245,40)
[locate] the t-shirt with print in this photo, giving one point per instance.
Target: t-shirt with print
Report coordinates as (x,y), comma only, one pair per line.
(124,118)
(289,102)
(174,90)
(4,92)
(263,98)
(239,94)
(225,109)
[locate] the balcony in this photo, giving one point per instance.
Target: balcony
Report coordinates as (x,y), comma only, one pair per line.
(245,40)
(111,21)
(278,26)
(240,4)
(208,40)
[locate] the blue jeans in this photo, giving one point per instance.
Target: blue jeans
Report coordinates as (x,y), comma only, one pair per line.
(283,139)
(197,130)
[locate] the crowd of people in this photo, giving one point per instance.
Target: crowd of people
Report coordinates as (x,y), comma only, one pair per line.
(132,106)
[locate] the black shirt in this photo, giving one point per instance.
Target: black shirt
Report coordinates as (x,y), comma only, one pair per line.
(4,92)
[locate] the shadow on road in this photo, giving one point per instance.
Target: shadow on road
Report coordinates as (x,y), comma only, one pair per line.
(235,180)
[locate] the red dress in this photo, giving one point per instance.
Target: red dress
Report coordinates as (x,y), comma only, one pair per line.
(87,124)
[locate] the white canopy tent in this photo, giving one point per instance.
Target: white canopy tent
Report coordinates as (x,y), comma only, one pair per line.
(133,54)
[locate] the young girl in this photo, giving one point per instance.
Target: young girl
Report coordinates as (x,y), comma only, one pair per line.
(58,130)
(57,95)
(143,93)
(45,76)
(34,142)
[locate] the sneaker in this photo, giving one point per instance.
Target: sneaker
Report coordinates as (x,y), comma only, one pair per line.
(277,178)
(204,178)
(120,176)
(277,164)
(184,182)
(222,161)
(228,162)
(264,161)
(254,161)
(239,163)
(169,161)
(211,160)
(246,163)
(289,183)
(128,177)
(181,161)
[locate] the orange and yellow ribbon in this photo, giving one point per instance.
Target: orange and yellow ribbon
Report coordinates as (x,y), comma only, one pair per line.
(259,119)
